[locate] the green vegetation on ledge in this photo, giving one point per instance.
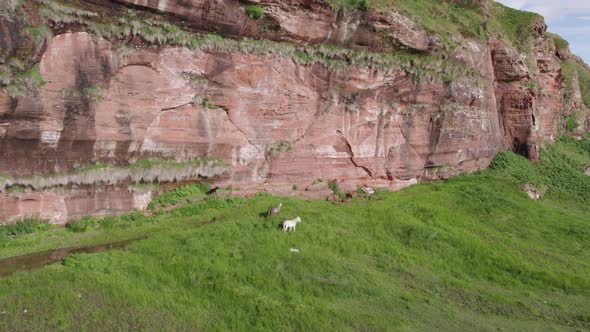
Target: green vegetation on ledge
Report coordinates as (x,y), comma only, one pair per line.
(423,67)
(572,121)
(182,194)
(560,43)
(445,18)
(140,171)
(17,80)
(254,11)
(571,68)
(512,25)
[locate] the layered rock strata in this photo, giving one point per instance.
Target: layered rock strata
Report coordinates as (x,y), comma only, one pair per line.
(276,115)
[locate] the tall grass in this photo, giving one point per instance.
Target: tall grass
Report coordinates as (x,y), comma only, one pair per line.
(24,226)
(556,168)
(182,194)
(473,253)
(513,26)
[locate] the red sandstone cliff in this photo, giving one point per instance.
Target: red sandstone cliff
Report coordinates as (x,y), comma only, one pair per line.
(270,99)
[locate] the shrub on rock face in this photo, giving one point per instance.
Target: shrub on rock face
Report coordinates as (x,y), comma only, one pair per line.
(254,11)
(82,225)
(25,226)
(560,43)
(572,121)
(363,5)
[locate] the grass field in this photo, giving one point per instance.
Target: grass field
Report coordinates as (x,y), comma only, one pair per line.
(472,254)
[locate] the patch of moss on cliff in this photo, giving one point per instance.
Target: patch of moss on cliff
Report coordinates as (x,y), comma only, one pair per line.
(278,148)
(39,34)
(254,11)
(445,18)
(92,92)
(571,68)
(584,81)
(560,43)
(18,80)
(572,121)
(63,13)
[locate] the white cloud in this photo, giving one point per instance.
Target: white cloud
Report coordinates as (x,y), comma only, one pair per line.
(568,18)
(551,9)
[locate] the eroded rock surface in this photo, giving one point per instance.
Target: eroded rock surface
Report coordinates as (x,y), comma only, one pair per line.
(274,121)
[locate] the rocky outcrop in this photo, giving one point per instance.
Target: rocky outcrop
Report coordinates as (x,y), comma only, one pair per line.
(301,22)
(59,206)
(534,193)
(529,93)
(276,114)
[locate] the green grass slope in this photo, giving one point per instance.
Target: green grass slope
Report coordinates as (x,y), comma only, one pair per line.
(472,254)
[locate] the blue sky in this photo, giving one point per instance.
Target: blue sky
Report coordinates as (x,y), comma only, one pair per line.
(568,18)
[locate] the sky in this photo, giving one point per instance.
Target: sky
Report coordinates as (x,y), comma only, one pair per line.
(567,18)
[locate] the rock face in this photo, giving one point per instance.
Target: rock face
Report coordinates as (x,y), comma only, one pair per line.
(290,21)
(59,207)
(275,121)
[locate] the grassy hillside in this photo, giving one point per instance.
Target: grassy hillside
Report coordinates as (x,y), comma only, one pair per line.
(473,253)
(446,17)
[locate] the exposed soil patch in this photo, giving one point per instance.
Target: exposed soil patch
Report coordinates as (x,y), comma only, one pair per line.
(35,261)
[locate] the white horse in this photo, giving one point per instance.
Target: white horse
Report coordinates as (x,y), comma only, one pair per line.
(289,225)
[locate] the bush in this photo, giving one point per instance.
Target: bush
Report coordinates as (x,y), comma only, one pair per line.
(25,226)
(363,5)
(81,225)
(179,194)
(278,148)
(333,185)
(254,11)
(560,43)
(572,121)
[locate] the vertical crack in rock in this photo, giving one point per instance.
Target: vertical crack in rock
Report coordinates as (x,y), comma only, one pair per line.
(351,154)
(226,110)
(378,140)
(401,130)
